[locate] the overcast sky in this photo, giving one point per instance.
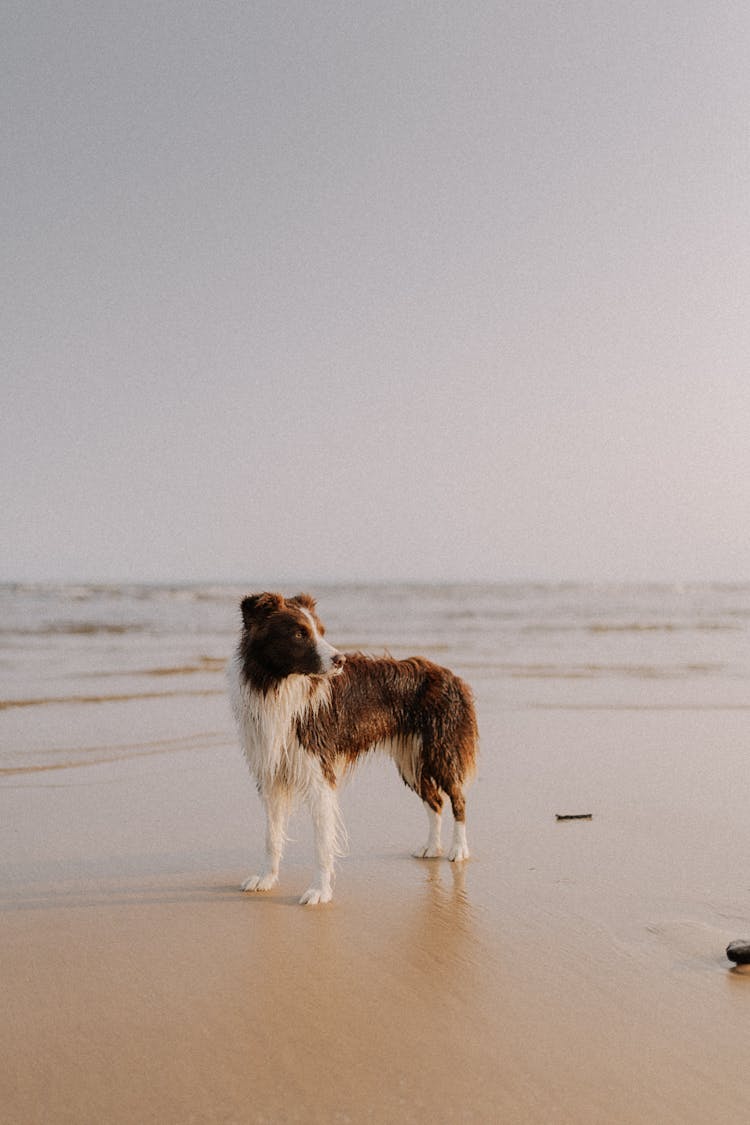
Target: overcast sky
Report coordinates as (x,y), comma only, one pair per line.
(378,290)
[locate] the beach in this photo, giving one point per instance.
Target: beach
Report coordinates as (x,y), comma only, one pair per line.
(570,971)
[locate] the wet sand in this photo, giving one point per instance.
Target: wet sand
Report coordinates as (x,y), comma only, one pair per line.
(570,972)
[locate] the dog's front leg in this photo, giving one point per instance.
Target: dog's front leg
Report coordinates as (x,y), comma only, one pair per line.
(276,803)
(433,847)
(326,820)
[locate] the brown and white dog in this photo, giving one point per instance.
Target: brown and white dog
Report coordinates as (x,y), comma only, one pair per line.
(306,713)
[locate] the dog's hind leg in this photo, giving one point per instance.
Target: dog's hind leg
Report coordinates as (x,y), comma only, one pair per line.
(433,803)
(276,801)
(459,848)
(327,830)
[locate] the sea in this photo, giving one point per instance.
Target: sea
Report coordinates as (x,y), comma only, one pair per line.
(92,673)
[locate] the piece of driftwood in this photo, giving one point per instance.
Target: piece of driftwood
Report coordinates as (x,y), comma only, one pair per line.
(739,952)
(574,816)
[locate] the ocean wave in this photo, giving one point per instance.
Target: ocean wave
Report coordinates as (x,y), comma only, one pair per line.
(602,627)
(120,697)
(662,627)
(74,629)
(205,664)
(591,671)
(78,757)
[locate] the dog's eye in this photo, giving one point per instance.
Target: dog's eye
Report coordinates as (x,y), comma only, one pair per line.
(299,635)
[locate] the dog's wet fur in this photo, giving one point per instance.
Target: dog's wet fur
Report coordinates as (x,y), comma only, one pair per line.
(307,713)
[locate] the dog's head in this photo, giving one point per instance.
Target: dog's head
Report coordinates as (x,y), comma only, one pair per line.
(284,637)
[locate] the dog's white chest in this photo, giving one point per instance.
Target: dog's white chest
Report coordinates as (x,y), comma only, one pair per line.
(268,724)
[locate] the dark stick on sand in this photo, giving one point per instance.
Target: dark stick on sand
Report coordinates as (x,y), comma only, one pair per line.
(574,816)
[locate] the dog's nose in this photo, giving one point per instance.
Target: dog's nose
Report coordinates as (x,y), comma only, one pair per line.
(338,660)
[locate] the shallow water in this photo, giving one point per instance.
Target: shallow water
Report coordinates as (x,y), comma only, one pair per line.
(55,638)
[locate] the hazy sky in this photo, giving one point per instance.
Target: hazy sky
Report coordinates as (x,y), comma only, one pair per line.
(340,290)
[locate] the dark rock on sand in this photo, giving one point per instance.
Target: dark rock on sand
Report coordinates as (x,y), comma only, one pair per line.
(739,952)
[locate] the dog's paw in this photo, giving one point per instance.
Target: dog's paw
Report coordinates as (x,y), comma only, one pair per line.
(458,852)
(429,851)
(260,882)
(313,896)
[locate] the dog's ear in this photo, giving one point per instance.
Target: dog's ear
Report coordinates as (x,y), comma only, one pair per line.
(257,606)
(305,601)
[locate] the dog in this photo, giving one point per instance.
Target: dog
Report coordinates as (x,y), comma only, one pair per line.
(307,713)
